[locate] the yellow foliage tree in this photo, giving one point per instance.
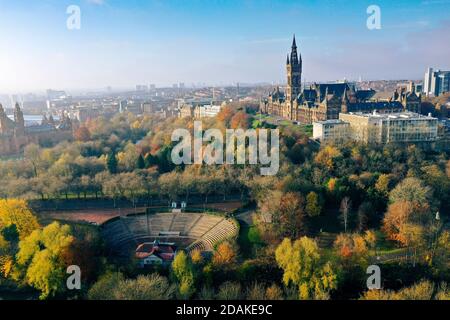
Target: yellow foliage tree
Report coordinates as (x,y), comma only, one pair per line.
(327,155)
(224,255)
(40,258)
(302,267)
(15,211)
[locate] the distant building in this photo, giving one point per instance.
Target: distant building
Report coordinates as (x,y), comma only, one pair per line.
(324,101)
(206,111)
(405,127)
(436,82)
(83,113)
(186,110)
(148,108)
(15,135)
(56,94)
(141,88)
(155,253)
(334,131)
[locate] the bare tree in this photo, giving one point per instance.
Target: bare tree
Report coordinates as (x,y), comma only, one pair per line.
(346,205)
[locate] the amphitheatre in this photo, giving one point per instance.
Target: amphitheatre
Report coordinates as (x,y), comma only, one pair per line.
(188,230)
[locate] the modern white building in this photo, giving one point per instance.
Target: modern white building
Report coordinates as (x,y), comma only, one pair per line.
(391,128)
(331,131)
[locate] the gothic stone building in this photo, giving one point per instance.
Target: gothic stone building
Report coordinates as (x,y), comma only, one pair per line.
(14,135)
(325,101)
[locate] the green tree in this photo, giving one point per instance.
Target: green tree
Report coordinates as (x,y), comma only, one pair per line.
(111,163)
(412,190)
(183,272)
(140,164)
(312,204)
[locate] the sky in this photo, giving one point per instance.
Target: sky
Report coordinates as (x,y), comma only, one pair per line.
(216,42)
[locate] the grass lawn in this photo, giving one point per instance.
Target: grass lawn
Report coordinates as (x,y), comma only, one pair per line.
(248,239)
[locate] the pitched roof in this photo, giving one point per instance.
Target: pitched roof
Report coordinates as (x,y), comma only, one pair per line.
(165,251)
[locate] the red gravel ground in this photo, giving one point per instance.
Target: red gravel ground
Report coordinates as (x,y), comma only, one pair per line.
(98,216)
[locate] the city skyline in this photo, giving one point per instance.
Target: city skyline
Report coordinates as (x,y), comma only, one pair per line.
(121,44)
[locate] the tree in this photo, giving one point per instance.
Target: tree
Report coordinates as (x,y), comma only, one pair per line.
(140,164)
(312,204)
(105,286)
(282,213)
(224,255)
(16,212)
(345,211)
(365,211)
(382,184)
(183,272)
(423,290)
(151,287)
(274,292)
(400,219)
(82,134)
(327,156)
(256,292)
(196,256)
(352,248)
(411,190)
(240,120)
(229,291)
(111,163)
(150,160)
(303,268)
(40,258)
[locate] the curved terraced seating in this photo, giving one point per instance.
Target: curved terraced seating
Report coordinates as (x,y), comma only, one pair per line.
(189,230)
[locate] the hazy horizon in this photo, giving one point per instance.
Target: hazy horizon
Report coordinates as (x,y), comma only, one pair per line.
(124,43)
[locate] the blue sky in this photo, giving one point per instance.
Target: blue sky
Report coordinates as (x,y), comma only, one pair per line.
(123,43)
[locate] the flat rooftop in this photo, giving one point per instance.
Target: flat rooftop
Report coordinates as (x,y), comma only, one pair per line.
(331,121)
(397,115)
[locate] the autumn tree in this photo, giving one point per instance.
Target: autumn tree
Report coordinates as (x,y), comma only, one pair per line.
(40,260)
(82,134)
(224,255)
(16,212)
(282,213)
(312,204)
(302,266)
(240,120)
(144,287)
(327,156)
(229,291)
(183,272)
(411,190)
